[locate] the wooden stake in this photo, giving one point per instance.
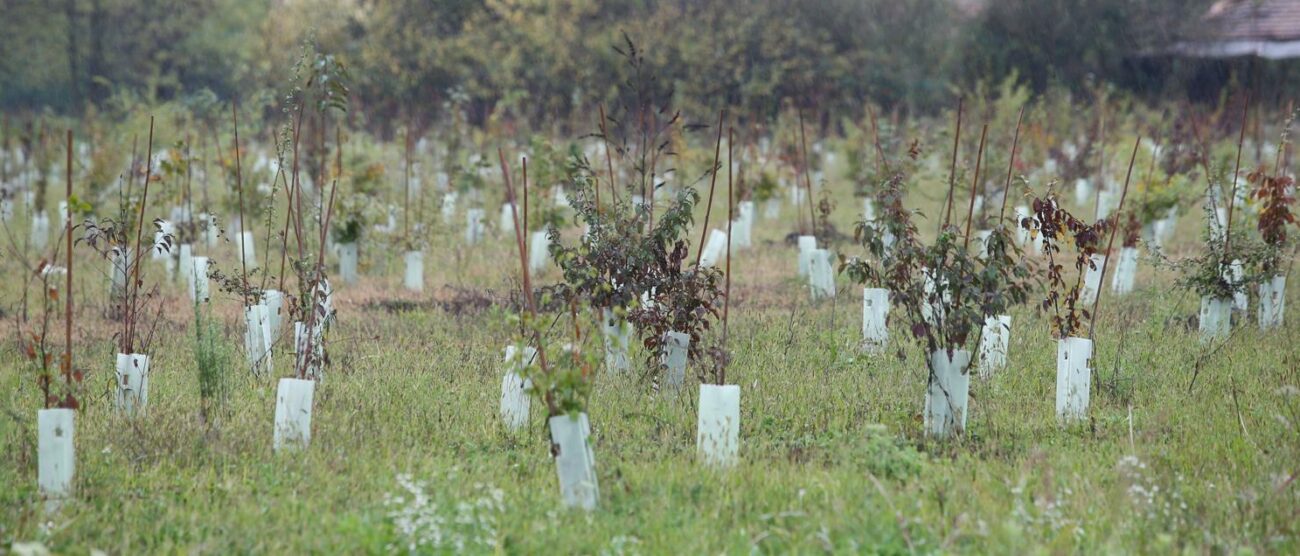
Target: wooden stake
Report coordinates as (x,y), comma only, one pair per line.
(713,181)
(530,304)
(1011,164)
(807,176)
(1227,232)
(67,301)
(974,185)
(726,294)
(881,163)
(1105,262)
(239,187)
(952,168)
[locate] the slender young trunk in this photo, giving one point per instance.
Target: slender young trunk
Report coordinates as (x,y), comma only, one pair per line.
(134,286)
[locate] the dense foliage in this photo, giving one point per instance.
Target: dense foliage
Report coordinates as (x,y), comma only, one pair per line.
(535,61)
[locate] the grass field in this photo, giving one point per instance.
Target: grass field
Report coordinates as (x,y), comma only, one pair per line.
(408,454)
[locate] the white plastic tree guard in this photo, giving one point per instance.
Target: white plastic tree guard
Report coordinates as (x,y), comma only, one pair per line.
(449,206)
(821,278)
(771,209)
(714,249)
(933,308)
(1219,224)
(413,275)
(506,222)
(56,451)
(40,230)
(132,395)
(1125,271)
(982,239)
(807,244)
(1022,234)
(1106,202)
(473,225)
(1092,280)
(718,428)
(293,405)
(274,302)
(198,279)
(539,244)
(211,233)
(868,210)
(575,463)
(515,400)
(302,345)
(348,262)
(1234,274)
(119,260)
(948,393)
(250,250)
(1073,378)
(994,342)
(676,347)
(257,338)
(185,262)
(742,230)
(1216,318)
(561,198)
(1272,302)
(875,318)
(798,196)
(159,251)
(1082,191)
(617,334)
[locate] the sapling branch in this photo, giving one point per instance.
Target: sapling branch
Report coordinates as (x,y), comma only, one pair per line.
(134,287)
(882,165)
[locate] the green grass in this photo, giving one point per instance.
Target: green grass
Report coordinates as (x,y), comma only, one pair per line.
(832,455)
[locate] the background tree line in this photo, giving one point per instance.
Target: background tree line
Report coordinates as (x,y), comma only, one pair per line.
(543,61)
